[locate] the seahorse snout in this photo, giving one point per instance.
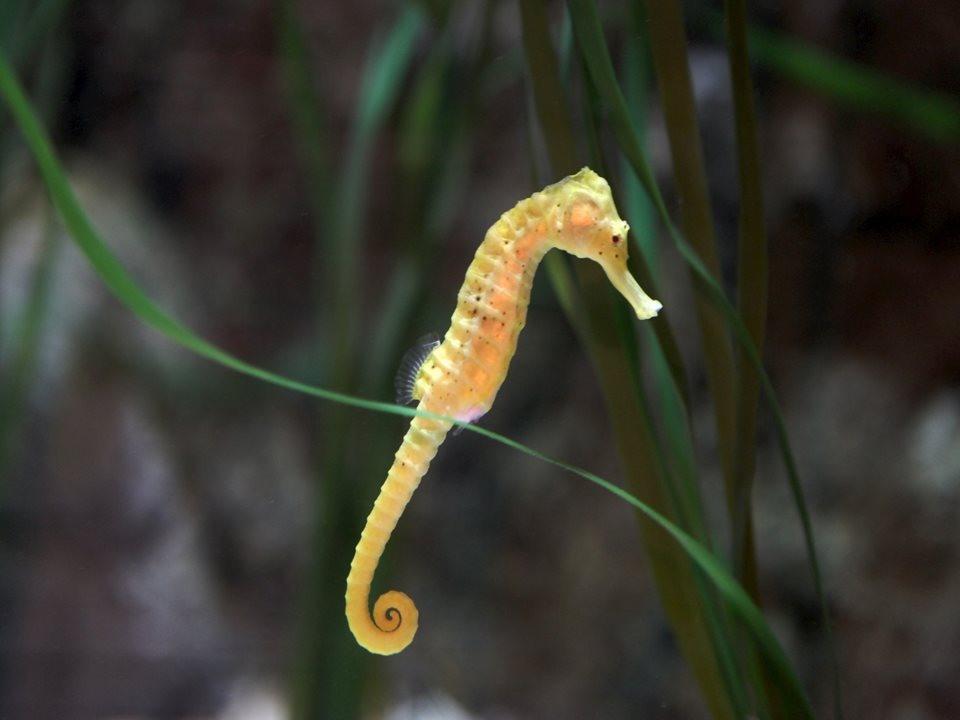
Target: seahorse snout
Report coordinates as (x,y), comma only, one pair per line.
(643,305)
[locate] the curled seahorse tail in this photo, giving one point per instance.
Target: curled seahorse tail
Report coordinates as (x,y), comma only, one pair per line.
(394,621)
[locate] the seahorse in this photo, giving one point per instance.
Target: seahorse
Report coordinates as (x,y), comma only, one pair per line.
(460,376)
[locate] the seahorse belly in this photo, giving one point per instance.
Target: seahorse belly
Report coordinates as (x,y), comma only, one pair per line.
(463,375)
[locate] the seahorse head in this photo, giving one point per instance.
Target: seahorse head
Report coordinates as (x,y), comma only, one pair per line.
(588,226)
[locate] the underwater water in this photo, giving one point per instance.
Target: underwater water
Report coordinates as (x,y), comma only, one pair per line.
(304,186)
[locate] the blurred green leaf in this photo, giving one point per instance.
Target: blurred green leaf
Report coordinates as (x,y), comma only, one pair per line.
(669,47)
(927,112)
(10,17)
(751,291)
(388,64)
(668,44)
(613,354)
(590,37)
(309,113)
(329,679)
(21,39)
(19,356)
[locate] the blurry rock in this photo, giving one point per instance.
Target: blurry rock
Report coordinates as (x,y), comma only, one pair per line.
(117,612)
(79,310)
(882,478)
(115,530)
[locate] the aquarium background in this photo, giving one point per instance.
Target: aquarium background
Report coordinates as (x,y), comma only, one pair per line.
(304,185)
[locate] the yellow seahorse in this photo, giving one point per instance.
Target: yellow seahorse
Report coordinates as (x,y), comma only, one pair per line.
(460,376)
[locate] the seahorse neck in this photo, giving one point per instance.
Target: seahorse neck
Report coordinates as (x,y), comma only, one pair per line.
(506,264)
(524,233)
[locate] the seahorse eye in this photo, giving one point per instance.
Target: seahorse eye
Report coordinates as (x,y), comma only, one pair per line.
(616,239)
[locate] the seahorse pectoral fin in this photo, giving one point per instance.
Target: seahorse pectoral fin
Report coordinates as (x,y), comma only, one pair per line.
(643,305)
(405,380)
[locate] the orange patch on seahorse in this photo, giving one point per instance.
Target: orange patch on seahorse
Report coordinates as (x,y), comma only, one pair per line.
(531,239)
(489,354)
(479,376)
(581,215)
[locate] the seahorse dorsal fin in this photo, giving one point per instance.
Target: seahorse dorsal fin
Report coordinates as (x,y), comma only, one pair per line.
(410,366)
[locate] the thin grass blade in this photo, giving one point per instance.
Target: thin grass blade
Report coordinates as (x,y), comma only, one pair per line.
(389,63)
(326,678)
(43,16)
(681,472)
(751,286)
(933,114)
(602,71)
(611,356)
(25,335)
(669,48)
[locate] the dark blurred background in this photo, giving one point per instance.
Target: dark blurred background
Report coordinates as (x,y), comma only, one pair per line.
(173,535)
